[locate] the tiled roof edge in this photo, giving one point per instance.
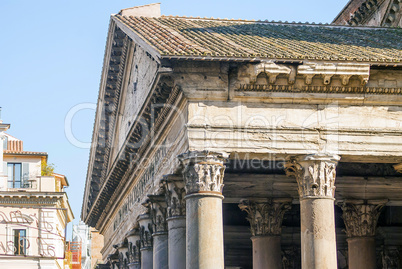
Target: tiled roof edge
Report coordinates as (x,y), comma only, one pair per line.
(319,24)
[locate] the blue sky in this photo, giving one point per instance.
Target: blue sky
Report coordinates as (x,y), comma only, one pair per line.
(51,60)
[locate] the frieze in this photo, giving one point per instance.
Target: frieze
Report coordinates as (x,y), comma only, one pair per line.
(138,191)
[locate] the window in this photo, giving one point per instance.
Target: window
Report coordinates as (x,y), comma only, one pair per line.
(20,242)
(14,175)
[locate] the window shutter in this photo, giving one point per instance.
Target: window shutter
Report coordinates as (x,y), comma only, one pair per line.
(25,174)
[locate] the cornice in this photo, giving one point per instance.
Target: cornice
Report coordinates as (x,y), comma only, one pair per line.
(7,198)
(106,114)
(364,12)
(164,93)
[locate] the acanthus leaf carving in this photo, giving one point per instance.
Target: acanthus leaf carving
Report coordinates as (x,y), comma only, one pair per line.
(174,193)
(266,217)
(361,217)
(134,246)
(315,174)
(203,171)
(158,213)
(146,230)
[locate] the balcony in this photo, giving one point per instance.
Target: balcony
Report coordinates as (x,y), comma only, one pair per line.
(32,184)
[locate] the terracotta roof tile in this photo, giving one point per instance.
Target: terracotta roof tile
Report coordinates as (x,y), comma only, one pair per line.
(194,37)
(13,152)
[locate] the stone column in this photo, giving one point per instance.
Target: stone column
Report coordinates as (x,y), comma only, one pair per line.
(203,176)
(113,260)
(315,176)
(146,240)
(160,236)
(266,224)
(360,219)
(122,249)
(134,245)
(176,219)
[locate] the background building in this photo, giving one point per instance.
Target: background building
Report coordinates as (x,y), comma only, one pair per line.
(34,208)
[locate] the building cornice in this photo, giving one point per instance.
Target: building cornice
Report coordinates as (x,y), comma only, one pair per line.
(106,113)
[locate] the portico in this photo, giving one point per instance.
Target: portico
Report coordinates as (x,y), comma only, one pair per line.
(210,161)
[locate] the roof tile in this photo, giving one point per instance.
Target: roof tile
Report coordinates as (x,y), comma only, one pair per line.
(195,37)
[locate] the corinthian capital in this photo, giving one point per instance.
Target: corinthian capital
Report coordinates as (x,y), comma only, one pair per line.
(146,228)
(315,174)
(134,245)
(203,171)
(174,192)
(361,217)
(266,217)
(158,213)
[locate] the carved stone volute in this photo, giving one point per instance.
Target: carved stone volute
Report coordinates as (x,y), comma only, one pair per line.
(315,174)
(361,217)
(203,171)
(158,213)
(266,217)
(174,193)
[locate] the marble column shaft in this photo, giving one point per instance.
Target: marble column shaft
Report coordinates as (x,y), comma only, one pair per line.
(266,224)
(315,176)
(203,176)
(360,219)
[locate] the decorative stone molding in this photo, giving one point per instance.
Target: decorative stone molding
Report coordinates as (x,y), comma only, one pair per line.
(250,72)
(361,217)
(158,213)
(315,174)
(391,257)
(266,217)
(174,192)
(203,171)
(327,70)
(319,89)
